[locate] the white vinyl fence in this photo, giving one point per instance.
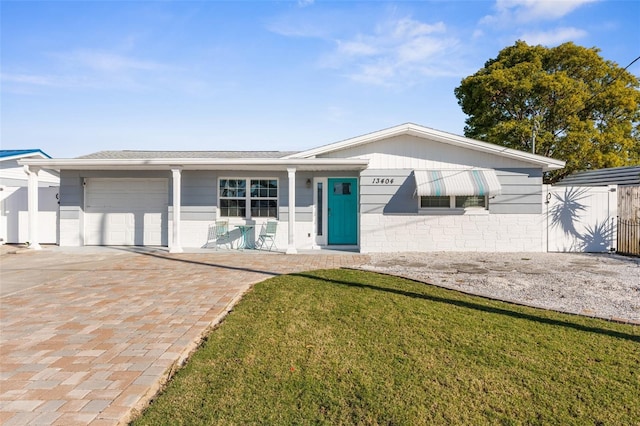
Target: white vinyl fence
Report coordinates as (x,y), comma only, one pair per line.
(581,218)
(14,215)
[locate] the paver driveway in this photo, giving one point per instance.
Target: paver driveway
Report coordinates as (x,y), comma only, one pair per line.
(102,330)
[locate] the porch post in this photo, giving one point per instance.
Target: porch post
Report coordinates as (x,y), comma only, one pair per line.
(176,246)
(291,248)
(32,201)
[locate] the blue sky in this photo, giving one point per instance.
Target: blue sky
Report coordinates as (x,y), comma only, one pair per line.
(84,76)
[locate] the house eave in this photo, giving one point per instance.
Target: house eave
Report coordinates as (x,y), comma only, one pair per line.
(312,164)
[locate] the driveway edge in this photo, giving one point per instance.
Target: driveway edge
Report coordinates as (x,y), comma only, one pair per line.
(182,359)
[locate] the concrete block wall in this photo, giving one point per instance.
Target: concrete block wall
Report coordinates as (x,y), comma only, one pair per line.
(194,233)
(478,233)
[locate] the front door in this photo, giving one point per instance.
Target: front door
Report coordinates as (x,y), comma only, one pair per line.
(343,211)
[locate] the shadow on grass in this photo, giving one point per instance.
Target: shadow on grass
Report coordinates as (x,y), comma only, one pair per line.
(479,307)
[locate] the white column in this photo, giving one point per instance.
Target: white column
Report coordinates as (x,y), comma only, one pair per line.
(291,248)
(176,246)
(32,197)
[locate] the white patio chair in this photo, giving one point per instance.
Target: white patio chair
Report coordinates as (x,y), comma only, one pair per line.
(268,235)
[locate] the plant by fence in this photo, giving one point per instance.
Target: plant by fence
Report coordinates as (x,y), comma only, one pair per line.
(629,237)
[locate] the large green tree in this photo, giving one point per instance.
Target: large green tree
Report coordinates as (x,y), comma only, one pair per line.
(575,105)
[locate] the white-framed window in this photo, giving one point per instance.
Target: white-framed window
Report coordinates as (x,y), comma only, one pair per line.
(471,201)
(435,202)
(453,202)
(320,201)
(233,197)
(264,197)
(248,197)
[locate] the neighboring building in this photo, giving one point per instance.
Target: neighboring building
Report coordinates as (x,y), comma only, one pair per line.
(629,175)
(13,198)
(406,188)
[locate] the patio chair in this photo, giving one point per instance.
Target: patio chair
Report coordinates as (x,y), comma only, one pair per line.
(218,234)
(268,235)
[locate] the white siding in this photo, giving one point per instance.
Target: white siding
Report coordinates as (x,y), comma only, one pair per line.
(12,174)
(410,152)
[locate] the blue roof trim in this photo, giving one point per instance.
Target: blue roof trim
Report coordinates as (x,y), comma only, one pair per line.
(4,153)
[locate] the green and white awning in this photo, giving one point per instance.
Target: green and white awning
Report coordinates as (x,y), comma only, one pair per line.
(456,182)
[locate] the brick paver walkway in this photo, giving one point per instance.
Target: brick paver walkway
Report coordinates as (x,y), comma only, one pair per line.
(93,346)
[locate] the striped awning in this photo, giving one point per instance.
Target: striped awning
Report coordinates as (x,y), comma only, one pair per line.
(456,182)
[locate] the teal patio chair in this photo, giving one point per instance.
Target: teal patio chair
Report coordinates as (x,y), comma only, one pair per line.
(218,234)
(268,236)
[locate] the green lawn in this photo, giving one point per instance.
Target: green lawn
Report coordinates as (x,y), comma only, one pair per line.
(347,347)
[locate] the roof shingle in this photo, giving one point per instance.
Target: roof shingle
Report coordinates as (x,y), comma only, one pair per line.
(131,155)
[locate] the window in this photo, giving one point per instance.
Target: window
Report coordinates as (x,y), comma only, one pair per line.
(319,223)
(450,202)
(233,193)
(435,201)
(262,197)
(342,188)
(463,202)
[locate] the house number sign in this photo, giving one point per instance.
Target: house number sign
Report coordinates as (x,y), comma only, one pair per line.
(382,181)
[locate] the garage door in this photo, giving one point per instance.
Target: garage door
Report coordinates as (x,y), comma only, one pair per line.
(126,212)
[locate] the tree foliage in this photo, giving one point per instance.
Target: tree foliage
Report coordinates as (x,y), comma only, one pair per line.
(575,105)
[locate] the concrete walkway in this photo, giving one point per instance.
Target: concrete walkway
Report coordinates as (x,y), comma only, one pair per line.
(88,336)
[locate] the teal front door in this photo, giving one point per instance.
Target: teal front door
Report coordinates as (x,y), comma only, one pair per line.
(343,211)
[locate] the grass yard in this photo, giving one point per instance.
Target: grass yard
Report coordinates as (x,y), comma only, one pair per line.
(352,347)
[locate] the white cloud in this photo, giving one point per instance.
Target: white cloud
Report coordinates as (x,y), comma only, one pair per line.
(337,113)
(553,37)
(377,74)
(95,69)
(420,49)
(518,11)
(408,28)
(477,34)
(305,26)
(396,52)
(28,79)
(357,48)
(105,61)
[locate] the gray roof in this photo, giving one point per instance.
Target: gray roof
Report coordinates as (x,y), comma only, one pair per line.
(137,155)
(614,176)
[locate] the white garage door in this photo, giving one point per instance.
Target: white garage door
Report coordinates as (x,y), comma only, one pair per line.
(126,212)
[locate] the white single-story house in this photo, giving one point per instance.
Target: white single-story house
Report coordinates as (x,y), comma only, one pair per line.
(14,221)
(405,188)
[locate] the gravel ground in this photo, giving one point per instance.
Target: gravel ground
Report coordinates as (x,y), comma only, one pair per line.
(598,285)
